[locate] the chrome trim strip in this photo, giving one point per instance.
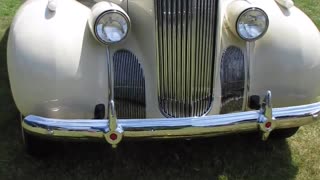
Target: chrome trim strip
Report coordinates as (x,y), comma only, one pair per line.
(247,64)
(110,75)
(112,114)
(285,117)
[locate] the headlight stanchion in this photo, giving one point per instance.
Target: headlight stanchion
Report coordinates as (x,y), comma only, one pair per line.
(110,24)
(249,23)
(114,135)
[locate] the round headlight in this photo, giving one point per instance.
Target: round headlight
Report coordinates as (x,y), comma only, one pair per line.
(252,24)
(111,27)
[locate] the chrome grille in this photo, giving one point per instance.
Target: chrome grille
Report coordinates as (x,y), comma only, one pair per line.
(232,77)
(185,54)
(129,86)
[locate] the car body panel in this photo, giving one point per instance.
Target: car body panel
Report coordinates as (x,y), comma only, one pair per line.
(58,70)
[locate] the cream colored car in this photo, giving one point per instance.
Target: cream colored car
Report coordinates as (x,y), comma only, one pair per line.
(125,69)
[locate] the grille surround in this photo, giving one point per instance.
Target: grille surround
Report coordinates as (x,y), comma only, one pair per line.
(185,33)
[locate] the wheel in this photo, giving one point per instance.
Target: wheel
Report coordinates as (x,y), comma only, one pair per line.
(36,146)
(283,133)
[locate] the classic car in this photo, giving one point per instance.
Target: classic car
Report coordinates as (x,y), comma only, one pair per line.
(155,69)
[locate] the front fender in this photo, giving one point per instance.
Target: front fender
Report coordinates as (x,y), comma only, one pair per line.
(56,68)
(287,59)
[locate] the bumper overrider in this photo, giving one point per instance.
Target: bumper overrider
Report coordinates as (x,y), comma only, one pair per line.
(113,130)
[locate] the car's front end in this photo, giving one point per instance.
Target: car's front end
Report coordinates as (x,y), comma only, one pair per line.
(163,68)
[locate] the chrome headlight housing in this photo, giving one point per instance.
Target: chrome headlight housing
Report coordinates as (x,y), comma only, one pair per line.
(111,27)
(109,23)
(252,24)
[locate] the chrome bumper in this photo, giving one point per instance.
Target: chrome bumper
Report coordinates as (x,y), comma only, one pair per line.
(265,120)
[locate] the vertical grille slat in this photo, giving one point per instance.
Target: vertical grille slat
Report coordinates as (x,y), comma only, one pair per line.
(185,55)
(209,46)
(198,50)
(174,50)
(202,41)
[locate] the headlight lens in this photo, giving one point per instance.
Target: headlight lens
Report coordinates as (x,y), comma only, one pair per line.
(112,27)
(252,24)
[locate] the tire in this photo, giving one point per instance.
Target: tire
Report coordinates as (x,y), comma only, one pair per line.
(283,133)
(33,145)
(36,146)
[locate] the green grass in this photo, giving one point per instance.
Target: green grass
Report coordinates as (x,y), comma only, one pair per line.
(231,157)
(311,8)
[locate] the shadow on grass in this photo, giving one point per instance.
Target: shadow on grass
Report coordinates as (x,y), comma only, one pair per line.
(230,157)
(8,110)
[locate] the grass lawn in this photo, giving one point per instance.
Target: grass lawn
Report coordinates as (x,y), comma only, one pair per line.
(231,157)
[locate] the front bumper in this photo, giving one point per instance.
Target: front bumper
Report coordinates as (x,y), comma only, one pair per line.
(265,120)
